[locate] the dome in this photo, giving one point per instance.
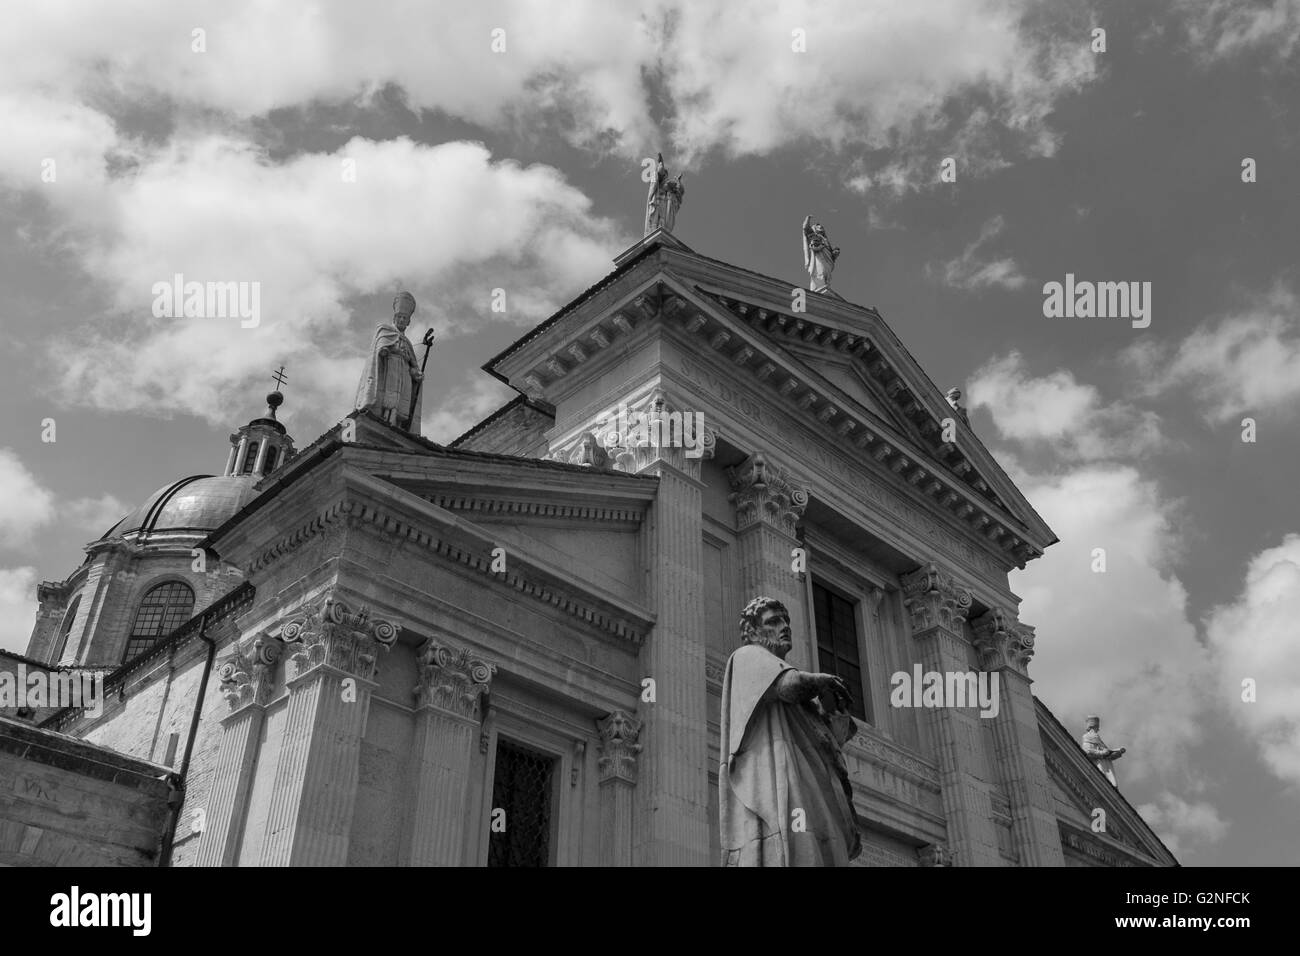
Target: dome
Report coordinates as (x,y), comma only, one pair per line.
(199,503)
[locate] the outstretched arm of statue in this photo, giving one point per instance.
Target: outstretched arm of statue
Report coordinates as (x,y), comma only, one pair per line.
(796,686)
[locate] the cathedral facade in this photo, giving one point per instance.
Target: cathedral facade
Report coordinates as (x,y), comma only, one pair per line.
(508,650)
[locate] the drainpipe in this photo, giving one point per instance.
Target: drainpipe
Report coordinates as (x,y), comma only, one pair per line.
(177,796)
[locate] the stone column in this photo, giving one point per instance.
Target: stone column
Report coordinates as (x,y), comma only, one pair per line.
(331,677)
(452,684)
(619,731)
(938,607)
(1005,647)
(247,679)
(672,826)
(768,507)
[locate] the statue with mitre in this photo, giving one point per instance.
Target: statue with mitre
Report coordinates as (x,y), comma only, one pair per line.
(390,382)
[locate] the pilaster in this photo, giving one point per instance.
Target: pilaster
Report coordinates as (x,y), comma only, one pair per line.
(330,678)
(454,684)
(1005,646)
(937,606)
(671,820)
(247,680)
(769,504)
(617,764)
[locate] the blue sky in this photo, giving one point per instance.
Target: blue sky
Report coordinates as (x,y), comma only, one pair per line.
(520,170)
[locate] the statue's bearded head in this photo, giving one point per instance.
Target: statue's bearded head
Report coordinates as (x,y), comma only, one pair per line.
(766,622)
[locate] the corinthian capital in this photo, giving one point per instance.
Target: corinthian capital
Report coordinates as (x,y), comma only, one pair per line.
(619,731)
(765,494)
(451,678)
(934,599)
(331,634)
(1002,641)
(248,674)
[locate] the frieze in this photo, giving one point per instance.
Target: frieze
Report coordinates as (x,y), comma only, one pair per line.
(895,759)
(846,472)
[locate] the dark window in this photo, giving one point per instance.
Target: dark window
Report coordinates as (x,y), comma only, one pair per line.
(68,620)
(837,644)
(250,458)
(521,786)
(271,455)
(163,609)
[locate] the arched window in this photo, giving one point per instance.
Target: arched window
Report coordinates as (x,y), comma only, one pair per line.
(69,619)
(250,458)
(165,608)
(271,454)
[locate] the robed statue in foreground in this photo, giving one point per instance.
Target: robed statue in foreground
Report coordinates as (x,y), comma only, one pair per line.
(388,385)
(783,789)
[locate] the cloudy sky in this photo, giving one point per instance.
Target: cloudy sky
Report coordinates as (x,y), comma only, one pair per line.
(334,152)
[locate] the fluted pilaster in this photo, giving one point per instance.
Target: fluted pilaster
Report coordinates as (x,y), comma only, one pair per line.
(619,732)
(331,676)
(937,606)
(453,684)
(1006,646)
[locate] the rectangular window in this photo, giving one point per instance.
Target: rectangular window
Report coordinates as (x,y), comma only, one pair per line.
(837,644)
(522,788)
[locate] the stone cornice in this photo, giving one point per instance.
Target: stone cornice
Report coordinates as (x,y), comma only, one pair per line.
(458,542)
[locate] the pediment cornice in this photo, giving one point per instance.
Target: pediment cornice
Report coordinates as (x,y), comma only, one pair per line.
(747,325)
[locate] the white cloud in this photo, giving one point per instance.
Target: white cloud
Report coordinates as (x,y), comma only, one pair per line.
(25,505)
(972,79)
(1268,30)
(94,516)
(1117,643)
(465,407)
(446,219)
(1059,410)
(1245,364)
(971,272)
(1255,637)
(1183,825)
(17,607)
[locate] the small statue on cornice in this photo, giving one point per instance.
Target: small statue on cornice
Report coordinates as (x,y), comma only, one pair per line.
(954,399)
(1097,750)
(819,255)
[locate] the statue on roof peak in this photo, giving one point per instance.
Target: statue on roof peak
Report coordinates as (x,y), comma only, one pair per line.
(818,255)
(663,200)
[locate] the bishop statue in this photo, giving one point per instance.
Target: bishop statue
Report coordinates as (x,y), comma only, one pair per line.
(389,386)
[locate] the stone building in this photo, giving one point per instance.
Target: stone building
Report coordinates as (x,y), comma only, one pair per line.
(508,650)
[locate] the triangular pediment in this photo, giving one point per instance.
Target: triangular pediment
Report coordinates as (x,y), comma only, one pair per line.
(837,363)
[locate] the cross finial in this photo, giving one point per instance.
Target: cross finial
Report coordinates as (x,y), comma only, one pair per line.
(280,377)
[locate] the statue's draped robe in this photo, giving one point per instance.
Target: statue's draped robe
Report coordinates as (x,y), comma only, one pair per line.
(386,380)
(820,263)
(1094,747)
(779,757)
